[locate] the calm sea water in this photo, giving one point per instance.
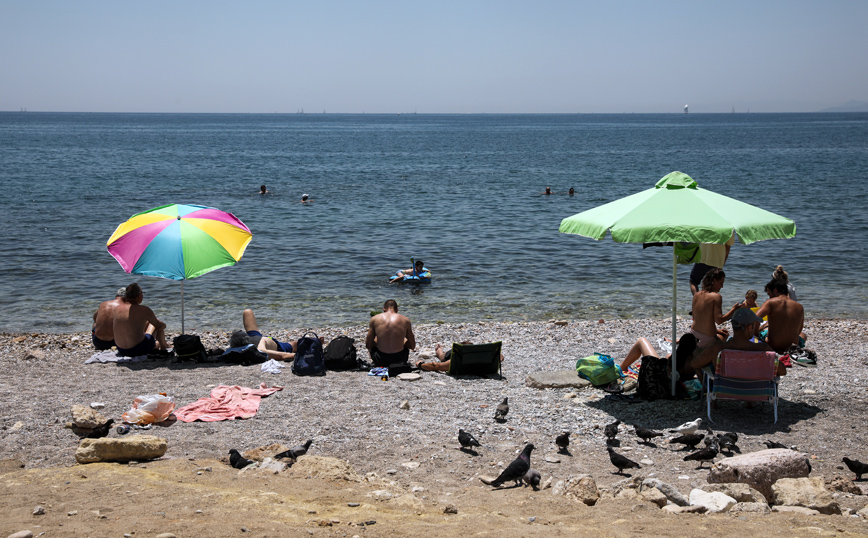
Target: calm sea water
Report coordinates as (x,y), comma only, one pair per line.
(460,192)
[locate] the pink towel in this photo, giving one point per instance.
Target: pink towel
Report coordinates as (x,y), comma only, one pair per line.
(226,403)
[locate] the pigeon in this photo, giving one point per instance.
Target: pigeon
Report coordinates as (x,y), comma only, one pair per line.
(710,438)
(467,440)
(517,469)
(502,410)
(706,454)
(728,441)
(688,427)
(563,441)
(611,430)
(857,467)
(237,460)
(773,444)
(294,452)
(101,431)
(621,462)
(532,479)
(689,441)
(647,434)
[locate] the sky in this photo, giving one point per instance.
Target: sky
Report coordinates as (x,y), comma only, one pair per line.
(466,56)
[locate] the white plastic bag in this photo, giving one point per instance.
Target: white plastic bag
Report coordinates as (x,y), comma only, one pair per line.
(150,409)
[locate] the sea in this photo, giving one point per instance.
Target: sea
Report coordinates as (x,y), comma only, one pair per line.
(463,193)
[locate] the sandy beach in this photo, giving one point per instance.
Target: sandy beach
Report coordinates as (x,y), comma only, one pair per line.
(406,461)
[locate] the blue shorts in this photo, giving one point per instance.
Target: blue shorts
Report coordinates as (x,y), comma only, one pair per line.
(284,347)
(101,344)
(142,348)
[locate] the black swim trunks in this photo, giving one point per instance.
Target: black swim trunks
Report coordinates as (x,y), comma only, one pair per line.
(142,348)
(389,359)
(99,343)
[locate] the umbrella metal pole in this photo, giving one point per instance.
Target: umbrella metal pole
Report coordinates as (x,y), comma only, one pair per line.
(674,305)
(182,313)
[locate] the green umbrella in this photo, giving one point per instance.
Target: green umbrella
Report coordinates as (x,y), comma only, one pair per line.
(676,209)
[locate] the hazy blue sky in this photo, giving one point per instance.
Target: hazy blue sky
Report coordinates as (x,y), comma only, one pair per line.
(404,56)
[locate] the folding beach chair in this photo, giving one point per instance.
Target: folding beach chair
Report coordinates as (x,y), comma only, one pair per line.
(475,359)
(743,375)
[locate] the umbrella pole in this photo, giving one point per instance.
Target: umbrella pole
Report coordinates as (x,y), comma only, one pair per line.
(182,312)
(674,305)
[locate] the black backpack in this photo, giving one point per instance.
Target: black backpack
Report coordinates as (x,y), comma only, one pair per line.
(340,354)
(188,347)
(308,356)
(654,382)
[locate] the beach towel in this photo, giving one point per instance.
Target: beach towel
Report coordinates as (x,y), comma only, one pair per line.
(112,356)
(226,403)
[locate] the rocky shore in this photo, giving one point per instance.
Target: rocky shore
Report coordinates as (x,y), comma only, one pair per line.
(360,419)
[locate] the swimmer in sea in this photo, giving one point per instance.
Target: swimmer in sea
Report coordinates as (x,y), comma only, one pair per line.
(572,191)
(548,191)
(263,190)
(305,198)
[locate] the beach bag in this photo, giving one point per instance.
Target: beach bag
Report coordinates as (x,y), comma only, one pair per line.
(188,347)
(599,369)
(244,355)
(309,359)
(654,382)
(340,354)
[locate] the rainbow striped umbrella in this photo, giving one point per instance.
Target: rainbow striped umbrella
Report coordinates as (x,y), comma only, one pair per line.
(178,242)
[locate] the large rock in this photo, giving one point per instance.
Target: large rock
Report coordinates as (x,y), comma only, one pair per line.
(86,418)
(742,493)
(672,494)
(556,380)
(714,502)
(760,469)
(583,488)
(654,496)
(806,492)
(133,448)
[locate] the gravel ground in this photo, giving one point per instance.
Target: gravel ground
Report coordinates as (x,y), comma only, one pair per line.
(352,416)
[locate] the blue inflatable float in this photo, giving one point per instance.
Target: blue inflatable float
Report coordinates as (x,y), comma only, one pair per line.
(418,277)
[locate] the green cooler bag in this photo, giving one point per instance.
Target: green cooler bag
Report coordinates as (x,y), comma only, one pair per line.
(599,369)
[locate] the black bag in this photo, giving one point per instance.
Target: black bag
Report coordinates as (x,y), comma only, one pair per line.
(309,358)
(654,381)
(188,347)
(245,356)
(340,354)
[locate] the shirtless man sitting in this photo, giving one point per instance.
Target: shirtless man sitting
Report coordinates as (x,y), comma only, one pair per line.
(390,336)
(786,318)
(102,332)
(137,330)
(745,324)
(707,307)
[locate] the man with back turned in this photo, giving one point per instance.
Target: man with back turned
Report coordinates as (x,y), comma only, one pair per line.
(390,337)
(137,330)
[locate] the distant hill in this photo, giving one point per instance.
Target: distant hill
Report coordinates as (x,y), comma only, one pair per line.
(850,106)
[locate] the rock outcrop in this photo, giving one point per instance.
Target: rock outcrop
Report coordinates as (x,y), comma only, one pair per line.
(133,448)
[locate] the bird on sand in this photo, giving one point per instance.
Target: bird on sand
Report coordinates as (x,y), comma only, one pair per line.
(647,434)
(688,427)
(709,437)
(689,441)
(501,410)
(563,441)
(101,431)
(295,452)
(611,430)
(728,441)
(532,478)
(773,444)
(621,462)
(516,470)
(857,467)
(706,454)
(237,460)
(467,440)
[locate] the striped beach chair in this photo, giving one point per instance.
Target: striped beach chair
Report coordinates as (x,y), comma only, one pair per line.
(743,375)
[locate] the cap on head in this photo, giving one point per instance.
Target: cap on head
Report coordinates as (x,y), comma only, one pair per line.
(743,317)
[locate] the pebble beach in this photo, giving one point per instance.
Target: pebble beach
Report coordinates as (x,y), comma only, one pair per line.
(359,418)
